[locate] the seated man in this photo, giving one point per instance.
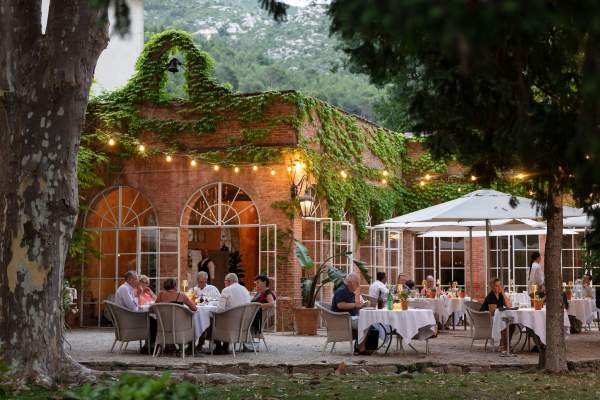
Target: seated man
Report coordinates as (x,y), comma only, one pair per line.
(347,299)
(378,290)
(233,295)
(205,290)
(429,284)
(125,295)
(496,299)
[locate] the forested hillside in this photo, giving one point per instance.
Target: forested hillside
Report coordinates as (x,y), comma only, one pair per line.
(254,53)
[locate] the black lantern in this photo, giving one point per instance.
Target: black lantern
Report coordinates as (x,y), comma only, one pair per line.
(173,65)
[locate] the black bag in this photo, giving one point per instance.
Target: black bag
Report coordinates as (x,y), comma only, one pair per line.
(372,340)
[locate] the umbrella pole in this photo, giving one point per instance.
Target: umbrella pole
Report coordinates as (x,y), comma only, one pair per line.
(487,251)
(471,261)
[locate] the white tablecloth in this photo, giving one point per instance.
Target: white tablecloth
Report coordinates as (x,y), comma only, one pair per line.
(529,317)
(407,323)
(583,309)
(201,319)
(442,307)
(519,299)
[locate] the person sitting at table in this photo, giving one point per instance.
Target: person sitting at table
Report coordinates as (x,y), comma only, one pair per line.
(410,284)
(232,295)
(143,291)
(496,299)
(378,290)
(203,289)
(172,295)
(264,296)
(587,290)
(347,299)
(125,295)
(429,285)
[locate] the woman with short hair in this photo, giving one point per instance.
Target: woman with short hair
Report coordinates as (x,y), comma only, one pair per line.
(143,291)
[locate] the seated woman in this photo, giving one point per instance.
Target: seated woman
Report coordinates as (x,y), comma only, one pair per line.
(143,291)
(588,291)
(265,297)
(496,299)
(172,295)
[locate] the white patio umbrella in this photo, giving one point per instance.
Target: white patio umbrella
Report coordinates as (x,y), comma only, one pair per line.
(480,206)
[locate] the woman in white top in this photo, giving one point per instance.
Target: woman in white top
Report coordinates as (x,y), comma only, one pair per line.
(535,275)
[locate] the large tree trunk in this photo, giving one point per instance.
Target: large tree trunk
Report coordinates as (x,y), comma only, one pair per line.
(44,86)
(554,357)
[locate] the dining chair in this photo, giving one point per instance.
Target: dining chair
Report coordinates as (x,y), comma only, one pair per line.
(175,326)
(130,326)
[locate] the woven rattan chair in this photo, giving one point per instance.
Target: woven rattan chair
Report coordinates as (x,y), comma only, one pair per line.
(175,326)
(130,326)
(339,327)
(482,326)
(233,326)
(267,315)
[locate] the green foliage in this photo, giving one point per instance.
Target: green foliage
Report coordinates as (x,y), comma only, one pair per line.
(322,274)
(135,387)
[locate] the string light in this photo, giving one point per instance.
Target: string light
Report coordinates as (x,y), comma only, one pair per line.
(193,163)
(384,181)
(422,183)
(111,142)
(272,172)
(236,169)
(169,158)
(298,166)
(255,168)
(473,178)
(216,167)
(521,176)
(385,173)
(427,177)
(343,174)
(459,190)
(141,148)
(587,157)
(531,192)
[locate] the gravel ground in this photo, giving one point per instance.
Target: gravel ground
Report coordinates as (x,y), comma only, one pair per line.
(92,346)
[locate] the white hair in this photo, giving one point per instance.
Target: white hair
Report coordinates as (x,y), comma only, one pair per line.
(202,274)
(352,276)
(231,277)
(429,278)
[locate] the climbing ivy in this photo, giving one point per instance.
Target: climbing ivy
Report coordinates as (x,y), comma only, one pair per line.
(380,177)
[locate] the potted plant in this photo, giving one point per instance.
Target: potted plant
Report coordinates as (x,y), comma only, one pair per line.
(307,316)
(568,290)
(403,296)
(538,302)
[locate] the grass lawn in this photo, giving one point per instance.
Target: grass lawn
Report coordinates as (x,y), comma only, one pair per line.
(497,385)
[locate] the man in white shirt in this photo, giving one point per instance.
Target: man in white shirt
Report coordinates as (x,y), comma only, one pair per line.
(125,295)
(233,294)
(204,289)
(378,290)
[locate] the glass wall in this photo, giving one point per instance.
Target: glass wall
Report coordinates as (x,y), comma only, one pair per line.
(571,262)
(443,258)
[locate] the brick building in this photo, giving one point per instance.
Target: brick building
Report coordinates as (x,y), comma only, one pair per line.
(160,205)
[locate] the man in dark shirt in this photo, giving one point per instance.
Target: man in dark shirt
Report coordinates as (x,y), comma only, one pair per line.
(347,299)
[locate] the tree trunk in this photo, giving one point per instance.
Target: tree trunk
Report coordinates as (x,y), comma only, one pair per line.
(44,86)
(554,359)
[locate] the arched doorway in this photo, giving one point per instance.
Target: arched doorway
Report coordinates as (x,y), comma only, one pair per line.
(113,224)
(222,218)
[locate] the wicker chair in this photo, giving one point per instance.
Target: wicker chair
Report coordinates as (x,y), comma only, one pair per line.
(482,326)
(129,325)
(233,326)
(175,326)
(339,327)
(267,315)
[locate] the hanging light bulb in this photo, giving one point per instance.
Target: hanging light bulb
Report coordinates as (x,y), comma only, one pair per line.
(272,172)
(255,168)
(422,183)
(289,169)
(521,176)
(111,142)
(236,169)
(473,178)
(384,181)
(216,167)
(169,158)
(459,190)
(141,148)
(343,174)
(193,163)
(427,177)
(385,173)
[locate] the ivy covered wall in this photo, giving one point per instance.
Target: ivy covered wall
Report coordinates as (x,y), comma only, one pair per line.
(359,168)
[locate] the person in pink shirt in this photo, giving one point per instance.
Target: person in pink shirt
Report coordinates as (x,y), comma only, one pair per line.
(143,291)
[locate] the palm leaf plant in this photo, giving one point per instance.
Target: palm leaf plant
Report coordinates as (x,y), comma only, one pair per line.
(323,274)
